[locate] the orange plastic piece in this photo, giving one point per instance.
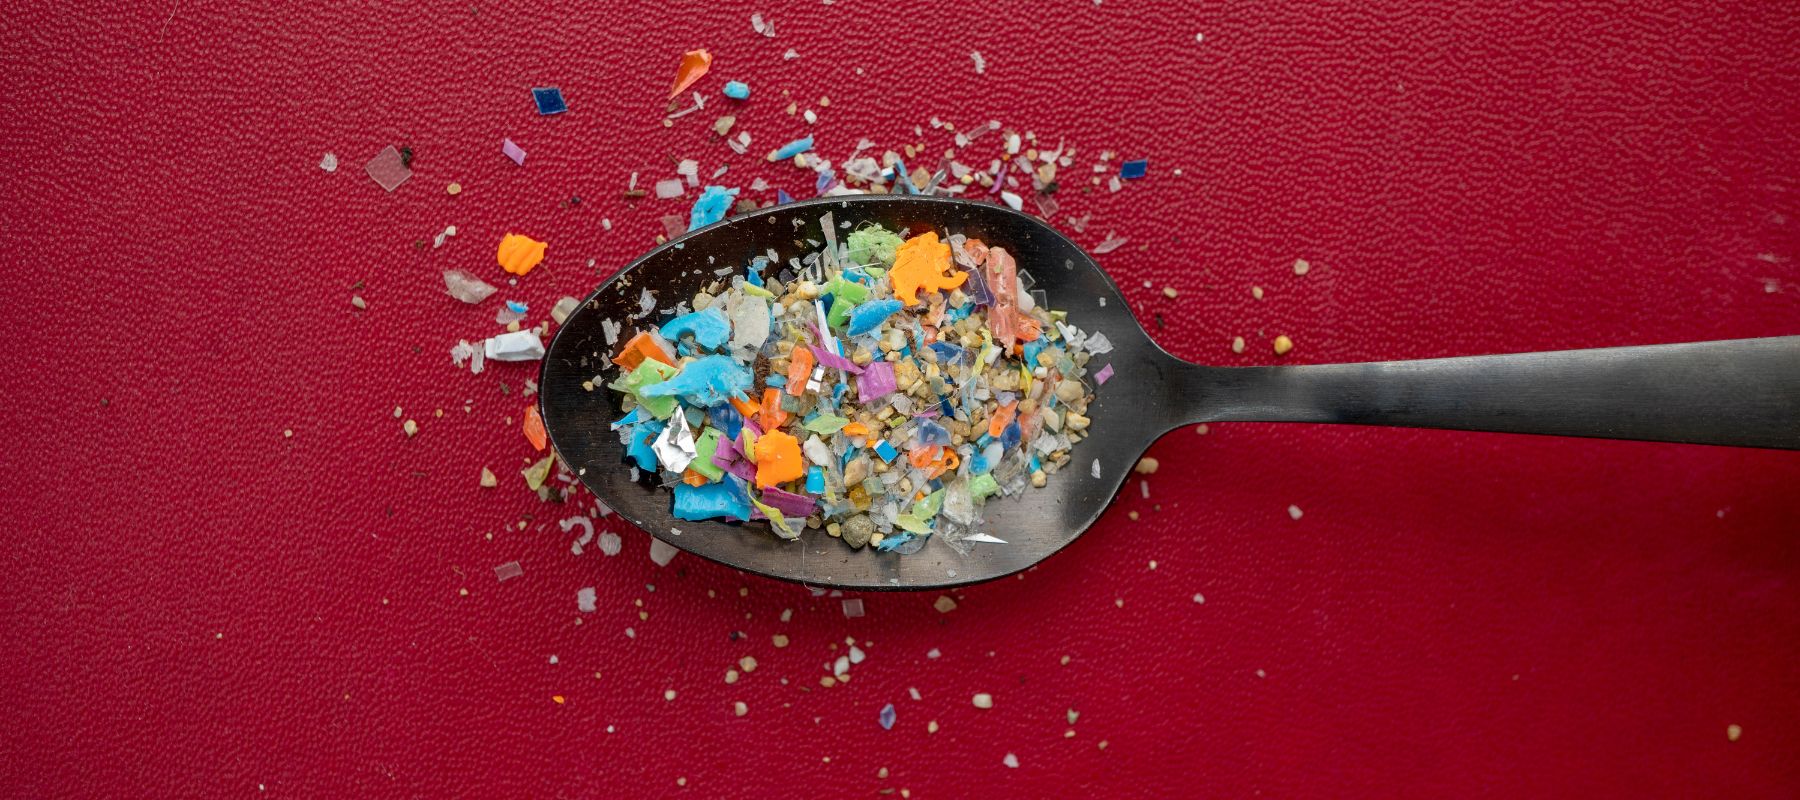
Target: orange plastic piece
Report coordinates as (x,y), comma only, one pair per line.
(799,370)
(1001,418)
(856,429)
(692,478)
(640,347)
(519,253)
(745,407)
(694,64)
(922,457)
(778,459)
(772,415)
(920,264)
(534,428)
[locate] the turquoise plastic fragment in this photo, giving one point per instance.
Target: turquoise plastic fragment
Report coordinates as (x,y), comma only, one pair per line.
(710,501)
(815,480)
(705,447)
(638,381)
(640,450)
(709,328)
(886,451)
(869,316)
(737,90)
(711,207)
(791,149)
(705,382)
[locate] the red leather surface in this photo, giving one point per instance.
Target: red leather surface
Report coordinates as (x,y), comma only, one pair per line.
(194,605)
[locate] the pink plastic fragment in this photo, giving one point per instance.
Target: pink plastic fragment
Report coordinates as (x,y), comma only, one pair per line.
(513,151)
(835,361)
(875,382)
(1105,374)
(742,469)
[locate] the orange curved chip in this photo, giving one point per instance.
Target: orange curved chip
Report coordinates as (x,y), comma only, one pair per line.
(692,478)
(694,64)
(534,428)
(920,264)
(1001,418)
(640,347)
(519,253)
(922,457)
(778,459)
(799,370)
(772,415)
(856,429)
(745,407)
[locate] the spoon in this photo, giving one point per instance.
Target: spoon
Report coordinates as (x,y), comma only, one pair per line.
(1744,392)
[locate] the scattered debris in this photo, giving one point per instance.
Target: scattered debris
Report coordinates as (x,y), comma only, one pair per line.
(984,700)
(329,163)
(519,253)
(513,151)
(1283,345)
(1146,466)
(662,552)
(944,605)
(585,600)
(507,571)
(887,717)
(853,608)
(463,285)
(522,345)
(736,90)
(1294,512)
(694,65)
(980,63)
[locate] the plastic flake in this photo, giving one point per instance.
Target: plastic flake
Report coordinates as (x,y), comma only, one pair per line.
(549,100)
(1103,375)
(1134,169)
(694,65)
(386,168)
(887,716)
(463,285)
(517,346)
(513,151)
(736,90)
(711,207)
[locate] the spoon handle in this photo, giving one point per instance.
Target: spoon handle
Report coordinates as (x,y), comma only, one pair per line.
(1743,392)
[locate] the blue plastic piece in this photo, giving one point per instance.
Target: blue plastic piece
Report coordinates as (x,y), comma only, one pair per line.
(1032,348)
(711,207)
(815,480)
(642,435)
(737,90)
(1134,169)
(726,418)
(791,149)
(753,277)
(1010,435)
(870,315)
(895,541)
(549,100)
(945,409)
(983,440)
(705,382)
(782,197)
(517,306)
(636,416)
(931,433)
(777,381)
(825,181)
(947,351)
(900,178)
(710,501)
(1035,465)
(709,328)
(886,451)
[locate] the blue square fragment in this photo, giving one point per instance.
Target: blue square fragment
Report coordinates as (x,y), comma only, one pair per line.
(1134,169)
(886,451)
(549,100)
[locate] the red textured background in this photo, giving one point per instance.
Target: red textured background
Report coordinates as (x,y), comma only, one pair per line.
(195,605)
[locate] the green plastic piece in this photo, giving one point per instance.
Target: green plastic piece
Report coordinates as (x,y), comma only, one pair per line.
(845,295)
(649,373)
(704,448)
(983,486)
(826,424)
(873,244)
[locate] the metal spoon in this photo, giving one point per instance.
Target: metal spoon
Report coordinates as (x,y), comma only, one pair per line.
(1744,392)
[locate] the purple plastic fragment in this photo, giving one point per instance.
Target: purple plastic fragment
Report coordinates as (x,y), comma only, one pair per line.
(1105,374)
(513,151)
(875,382)
(788,503)
(742,469)
(835,361)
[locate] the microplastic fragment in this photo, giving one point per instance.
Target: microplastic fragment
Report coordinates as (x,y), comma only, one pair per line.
(662,552)
(507,571)
(329,162)
(584,600)
(387,169)
(513,151)
(887,717)
(853,608)
(549,100)
(737,90)
(1134,169)
(1105,374)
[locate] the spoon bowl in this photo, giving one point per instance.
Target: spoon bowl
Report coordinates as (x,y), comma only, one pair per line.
(1743,392)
